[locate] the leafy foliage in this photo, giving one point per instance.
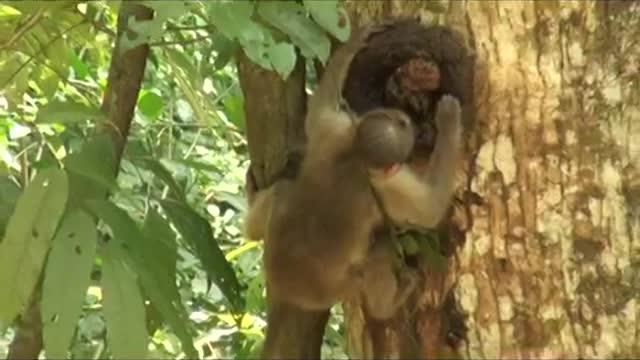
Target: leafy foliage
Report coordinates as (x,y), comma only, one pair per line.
(150,263)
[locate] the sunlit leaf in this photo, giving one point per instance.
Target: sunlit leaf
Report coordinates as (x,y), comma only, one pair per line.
(27,239)
(18,131)
(234,109)
(328,15)
(67,112)
(196,231)
(150,104)
(32,6)
(122,305)
(66,281)
(79,67)
(8,13)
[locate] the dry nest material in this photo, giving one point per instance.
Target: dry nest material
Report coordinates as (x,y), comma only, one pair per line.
(409,65)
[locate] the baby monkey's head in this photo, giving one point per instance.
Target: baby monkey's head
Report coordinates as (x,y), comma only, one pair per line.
(384,137)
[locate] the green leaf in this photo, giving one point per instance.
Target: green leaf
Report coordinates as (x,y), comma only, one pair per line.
(160,242)
(56,52)
(157,258)
(26,242)
(327,14)
(154,273)
(122,305)
(283,58)
(66,112)
(234,109)
(49,84)
(8,13)
(197,232)
(231,18)
(80,68)
(95,161)
(14,78)
(9,194)
(66,281)
(290,18)
(257,52)
(151,104)
(225,50)
(163,174)
(29,7)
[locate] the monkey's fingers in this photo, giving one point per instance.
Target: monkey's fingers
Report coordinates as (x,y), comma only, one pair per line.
(448,114)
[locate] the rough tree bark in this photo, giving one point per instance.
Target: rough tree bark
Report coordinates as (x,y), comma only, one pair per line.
(548,216)
(125,76)
(547,219)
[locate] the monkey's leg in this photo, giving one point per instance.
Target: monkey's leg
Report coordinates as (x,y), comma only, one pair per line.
(385,290)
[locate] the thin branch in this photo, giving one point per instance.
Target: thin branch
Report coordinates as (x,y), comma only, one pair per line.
(98,25)
(28,25)
(171,27)
(179,42)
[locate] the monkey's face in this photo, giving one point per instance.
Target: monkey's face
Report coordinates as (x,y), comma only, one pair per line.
(384,137)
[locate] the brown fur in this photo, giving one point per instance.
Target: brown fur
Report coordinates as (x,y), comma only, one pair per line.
(318,227)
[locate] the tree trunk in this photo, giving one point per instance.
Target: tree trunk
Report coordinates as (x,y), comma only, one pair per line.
(548,212)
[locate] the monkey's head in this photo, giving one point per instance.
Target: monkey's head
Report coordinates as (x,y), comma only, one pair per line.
(384,137)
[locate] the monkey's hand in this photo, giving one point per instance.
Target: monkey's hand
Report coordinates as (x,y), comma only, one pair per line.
(448,119)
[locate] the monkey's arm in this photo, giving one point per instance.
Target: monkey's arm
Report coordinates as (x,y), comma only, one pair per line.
(422,201)
(327,114)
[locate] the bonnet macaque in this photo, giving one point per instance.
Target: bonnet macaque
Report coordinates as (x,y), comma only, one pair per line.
(318,227)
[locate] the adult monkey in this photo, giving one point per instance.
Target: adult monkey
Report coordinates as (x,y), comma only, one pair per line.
(318,231)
